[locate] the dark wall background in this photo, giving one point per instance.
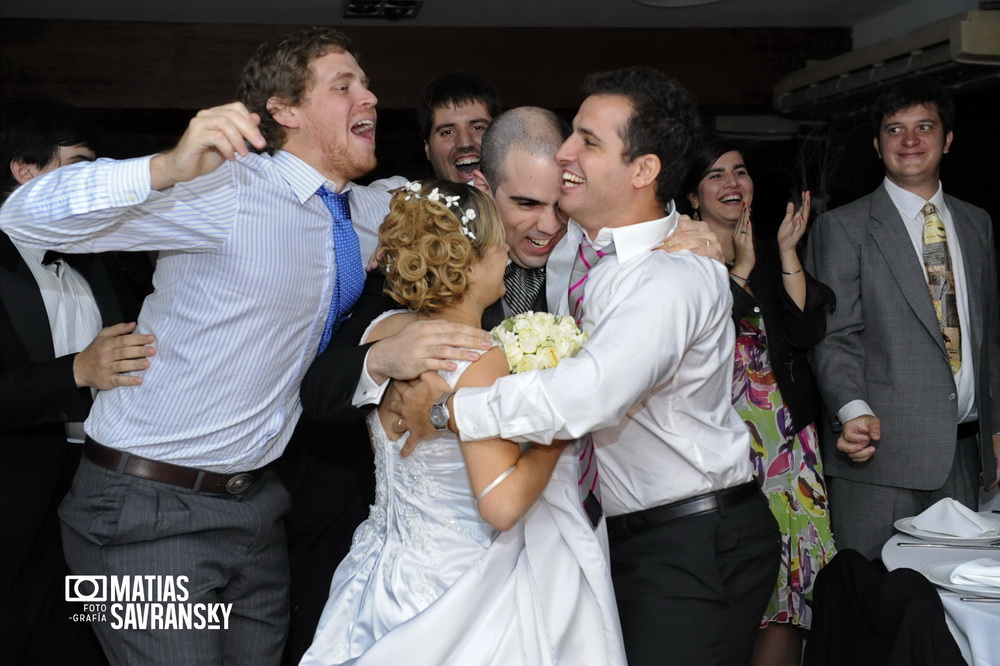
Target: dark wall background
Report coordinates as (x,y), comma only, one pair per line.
(143,81)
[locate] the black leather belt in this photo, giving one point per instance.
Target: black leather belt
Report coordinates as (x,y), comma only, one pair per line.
(969,429)
(631,524)
(175,475)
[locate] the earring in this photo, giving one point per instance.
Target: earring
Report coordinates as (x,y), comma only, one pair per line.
(695,214)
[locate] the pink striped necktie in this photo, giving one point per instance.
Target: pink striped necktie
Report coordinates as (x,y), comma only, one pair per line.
(590,488)
(586,258)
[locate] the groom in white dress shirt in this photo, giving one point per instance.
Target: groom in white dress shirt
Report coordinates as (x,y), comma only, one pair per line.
(694,548)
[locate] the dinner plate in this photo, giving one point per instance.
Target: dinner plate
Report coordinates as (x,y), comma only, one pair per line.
(905,525)
(940,575)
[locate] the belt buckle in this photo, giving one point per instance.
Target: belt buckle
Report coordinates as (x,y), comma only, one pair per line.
(239,483)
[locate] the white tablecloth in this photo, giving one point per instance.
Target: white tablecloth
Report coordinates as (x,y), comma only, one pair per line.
(975,625)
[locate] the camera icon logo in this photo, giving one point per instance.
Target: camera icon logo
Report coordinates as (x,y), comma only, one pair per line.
(86,589)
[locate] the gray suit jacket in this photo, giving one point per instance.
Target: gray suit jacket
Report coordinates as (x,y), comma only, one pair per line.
(884,346)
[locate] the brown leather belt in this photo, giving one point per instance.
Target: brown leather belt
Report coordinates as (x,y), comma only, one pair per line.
(175,475)
(631,524)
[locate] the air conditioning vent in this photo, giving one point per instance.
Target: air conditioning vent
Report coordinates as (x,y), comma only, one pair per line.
(959,51)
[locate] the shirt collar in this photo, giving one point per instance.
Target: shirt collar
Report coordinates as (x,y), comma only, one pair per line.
(634,239)
(909,204)
(301,177)
(34,255)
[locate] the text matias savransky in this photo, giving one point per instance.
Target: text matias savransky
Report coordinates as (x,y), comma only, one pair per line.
(144,602)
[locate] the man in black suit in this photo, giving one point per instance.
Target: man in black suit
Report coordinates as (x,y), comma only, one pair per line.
(60,338)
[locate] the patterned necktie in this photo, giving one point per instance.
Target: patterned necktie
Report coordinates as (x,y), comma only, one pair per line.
(522,287)
(586,258)
(350,278)
(590,489)
(941,284)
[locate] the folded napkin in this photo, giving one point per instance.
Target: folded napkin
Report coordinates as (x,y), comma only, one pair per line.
(977,572)
(950,518)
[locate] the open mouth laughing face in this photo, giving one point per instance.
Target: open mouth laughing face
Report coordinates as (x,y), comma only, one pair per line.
(595,178)
(724,189)
(337,119)
(453,145)
(527,201)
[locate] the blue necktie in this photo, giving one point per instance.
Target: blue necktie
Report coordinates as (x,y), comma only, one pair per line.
(350,277)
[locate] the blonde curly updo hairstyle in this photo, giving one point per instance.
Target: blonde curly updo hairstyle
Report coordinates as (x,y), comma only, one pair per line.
(427,246)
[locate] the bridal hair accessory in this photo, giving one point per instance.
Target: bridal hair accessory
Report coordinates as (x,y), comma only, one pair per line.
(413,188)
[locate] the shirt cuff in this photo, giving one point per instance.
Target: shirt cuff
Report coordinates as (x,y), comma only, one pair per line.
(473,416)
(853,410)
(368,392)
(130,182)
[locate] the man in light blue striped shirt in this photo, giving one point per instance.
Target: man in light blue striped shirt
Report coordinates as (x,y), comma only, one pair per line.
(173,483)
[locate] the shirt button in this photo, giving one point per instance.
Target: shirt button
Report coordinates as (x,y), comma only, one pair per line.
(952,396)
(756,310)
(131,198)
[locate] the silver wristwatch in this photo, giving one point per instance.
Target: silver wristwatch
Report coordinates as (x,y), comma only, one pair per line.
(439,412)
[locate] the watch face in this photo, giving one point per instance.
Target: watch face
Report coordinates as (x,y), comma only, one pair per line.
(439,416)
(440,413)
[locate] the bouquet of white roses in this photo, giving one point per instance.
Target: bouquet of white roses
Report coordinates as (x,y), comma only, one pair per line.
(537,340)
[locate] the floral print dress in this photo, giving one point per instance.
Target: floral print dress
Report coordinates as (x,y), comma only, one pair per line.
(788,468)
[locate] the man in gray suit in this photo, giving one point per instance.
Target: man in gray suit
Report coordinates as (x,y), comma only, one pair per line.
(905,382)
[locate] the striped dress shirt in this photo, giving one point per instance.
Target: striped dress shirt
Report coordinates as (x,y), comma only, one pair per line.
(242,289)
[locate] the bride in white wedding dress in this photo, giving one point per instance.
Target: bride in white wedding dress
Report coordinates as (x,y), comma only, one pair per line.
(476,553)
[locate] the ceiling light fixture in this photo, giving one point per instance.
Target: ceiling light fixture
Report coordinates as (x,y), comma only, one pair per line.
(675,4)
(390,10)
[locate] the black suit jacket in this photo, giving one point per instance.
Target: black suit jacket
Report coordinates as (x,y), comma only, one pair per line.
(38,395)
(328,388)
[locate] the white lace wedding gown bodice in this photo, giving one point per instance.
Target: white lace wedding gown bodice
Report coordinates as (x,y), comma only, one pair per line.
(429,582)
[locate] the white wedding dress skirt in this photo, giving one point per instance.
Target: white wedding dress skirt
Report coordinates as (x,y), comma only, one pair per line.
(429,582)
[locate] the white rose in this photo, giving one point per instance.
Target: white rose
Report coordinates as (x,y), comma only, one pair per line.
(548,357)
(529,341)
(514,355)
(529,362)
(563,346)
